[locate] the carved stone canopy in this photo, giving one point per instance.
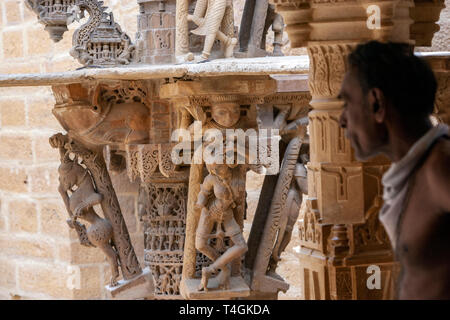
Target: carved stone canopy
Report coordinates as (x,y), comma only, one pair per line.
(99,42)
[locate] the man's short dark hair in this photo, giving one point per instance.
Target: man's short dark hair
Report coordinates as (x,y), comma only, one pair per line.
(406,80)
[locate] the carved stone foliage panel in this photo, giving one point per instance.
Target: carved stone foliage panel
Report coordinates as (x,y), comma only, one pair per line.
(327,68)
(164,235)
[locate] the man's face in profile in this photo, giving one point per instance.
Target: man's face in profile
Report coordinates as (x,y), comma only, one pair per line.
(358,118)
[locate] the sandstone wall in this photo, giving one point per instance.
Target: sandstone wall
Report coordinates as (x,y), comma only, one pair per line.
(40,257)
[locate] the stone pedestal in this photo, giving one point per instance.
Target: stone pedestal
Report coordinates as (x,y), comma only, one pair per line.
(140,287)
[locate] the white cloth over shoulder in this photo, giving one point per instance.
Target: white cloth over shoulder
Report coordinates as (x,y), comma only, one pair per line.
(396,180)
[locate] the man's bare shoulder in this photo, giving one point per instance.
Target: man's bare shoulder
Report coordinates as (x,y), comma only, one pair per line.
(437,172)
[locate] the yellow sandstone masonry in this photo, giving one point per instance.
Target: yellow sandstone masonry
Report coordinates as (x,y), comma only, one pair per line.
(36,245)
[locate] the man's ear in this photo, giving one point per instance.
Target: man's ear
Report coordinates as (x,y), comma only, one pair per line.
(377,103)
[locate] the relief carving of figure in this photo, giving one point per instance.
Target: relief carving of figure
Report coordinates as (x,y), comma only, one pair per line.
(80,196)
(214,19)
(216,202)
(299,187)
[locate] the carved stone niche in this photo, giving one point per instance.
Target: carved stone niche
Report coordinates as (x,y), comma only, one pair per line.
(199,100)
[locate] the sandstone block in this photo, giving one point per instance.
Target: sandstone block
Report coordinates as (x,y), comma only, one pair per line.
(15,148)
(13,179)
(12,112)
(12,44)
(23,216)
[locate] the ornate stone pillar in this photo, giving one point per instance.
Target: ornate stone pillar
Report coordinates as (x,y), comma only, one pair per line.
(163,196)
(197,98)
(340,235)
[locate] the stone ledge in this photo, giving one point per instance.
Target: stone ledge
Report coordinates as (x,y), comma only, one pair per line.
(219,67)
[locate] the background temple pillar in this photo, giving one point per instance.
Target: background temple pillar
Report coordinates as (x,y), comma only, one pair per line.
(340,235)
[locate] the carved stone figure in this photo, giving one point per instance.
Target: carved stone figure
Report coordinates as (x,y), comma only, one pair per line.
(216,202)
(214,19)
(79,195)
(299,187)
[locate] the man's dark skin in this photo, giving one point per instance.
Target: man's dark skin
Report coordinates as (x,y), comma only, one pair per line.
(374,126)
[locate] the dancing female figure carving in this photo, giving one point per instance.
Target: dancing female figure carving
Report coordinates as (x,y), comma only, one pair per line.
(216,202)
(214,19)
(79,195)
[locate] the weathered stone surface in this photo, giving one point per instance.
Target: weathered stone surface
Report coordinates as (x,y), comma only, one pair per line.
(12,112)
(49,279)
(7,273)
(15,148)
(219,67)
(13,179)
(23,216)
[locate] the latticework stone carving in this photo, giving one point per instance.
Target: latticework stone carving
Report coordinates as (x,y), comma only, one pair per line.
(165,224)
(99,42)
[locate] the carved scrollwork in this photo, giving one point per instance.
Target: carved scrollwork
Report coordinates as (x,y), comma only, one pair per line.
(99,42)
(327,68)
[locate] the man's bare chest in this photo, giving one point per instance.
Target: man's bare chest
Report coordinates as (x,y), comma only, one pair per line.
(424,233)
